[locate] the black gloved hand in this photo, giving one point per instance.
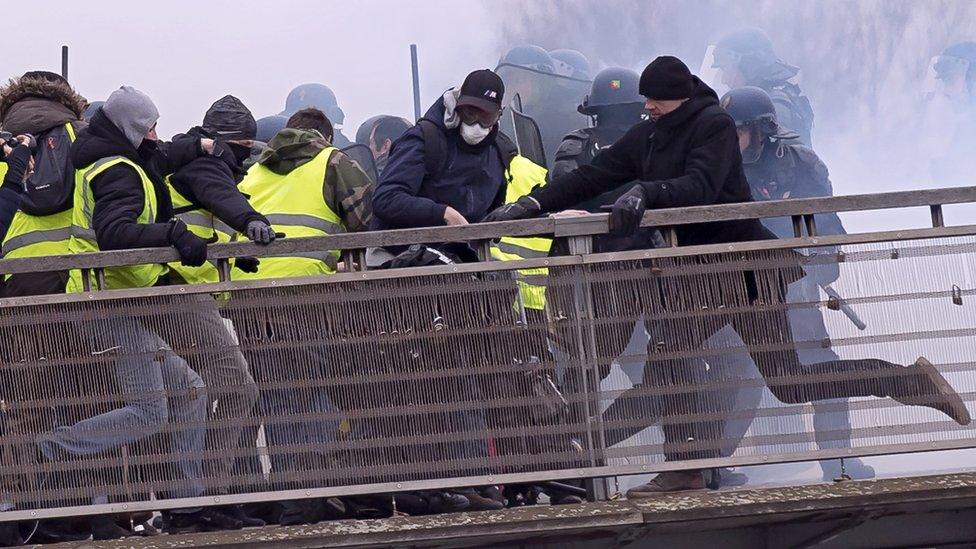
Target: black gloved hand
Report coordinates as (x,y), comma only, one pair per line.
(523,208)
(628,211)
(247,264)
(192,248)
(17,163)
(260,232)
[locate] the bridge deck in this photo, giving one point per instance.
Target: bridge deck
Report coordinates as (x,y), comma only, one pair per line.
(886,512)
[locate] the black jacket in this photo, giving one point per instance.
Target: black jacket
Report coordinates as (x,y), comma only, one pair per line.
(472,180)
(118,191)
(689,157)
(210,183)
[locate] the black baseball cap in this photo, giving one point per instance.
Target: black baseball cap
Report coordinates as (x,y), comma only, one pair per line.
(482,89)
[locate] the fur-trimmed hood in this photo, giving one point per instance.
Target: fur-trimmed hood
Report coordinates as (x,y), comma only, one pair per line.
(34,105)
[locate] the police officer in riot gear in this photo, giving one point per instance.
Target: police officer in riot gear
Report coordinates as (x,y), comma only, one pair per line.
(746,57)
(615,105)
(778,167)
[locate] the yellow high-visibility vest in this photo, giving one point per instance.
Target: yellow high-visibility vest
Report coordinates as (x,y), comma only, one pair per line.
(83,235)
(295,205)
(523,175)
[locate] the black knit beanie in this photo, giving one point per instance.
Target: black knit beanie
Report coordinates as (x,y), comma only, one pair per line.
(666,78)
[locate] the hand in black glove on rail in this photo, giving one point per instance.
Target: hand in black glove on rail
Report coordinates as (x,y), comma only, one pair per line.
(247,264)
(628,211)
(260,232)
(523,208)
(192,248)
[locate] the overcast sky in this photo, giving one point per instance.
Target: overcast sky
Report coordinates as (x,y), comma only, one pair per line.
(186,54)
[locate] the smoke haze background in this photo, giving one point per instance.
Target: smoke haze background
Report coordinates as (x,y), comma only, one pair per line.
(863,64)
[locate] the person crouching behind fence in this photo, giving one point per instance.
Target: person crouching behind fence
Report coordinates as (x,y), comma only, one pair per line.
(306,187)
(121,202)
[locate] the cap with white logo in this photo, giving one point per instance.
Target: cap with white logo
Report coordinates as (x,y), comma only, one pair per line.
(482,89)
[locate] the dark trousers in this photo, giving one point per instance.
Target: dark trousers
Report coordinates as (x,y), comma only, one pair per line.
(683,312)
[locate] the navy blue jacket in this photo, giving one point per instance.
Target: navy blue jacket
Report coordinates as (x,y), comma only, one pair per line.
(471,180)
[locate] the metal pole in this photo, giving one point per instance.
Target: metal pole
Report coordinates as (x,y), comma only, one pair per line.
(416,81)
(64,62)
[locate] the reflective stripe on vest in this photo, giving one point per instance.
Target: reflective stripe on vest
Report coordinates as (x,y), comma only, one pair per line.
(37,236)
(203,224)
(523,175)
(83,236)
(295,205)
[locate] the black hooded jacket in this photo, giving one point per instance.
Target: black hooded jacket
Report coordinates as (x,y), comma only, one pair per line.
(210,183)
(118,191)
(689,157)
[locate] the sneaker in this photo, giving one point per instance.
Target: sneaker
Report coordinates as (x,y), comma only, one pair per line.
(671,481)
(237,512)
(145,529)
(494,493)
(204,520)
(104,528)
(446,502)
(936,393)
(559,498)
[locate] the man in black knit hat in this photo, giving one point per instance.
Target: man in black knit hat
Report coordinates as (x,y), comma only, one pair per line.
(688,155)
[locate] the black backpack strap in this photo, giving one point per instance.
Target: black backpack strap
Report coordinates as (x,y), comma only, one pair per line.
(433,147)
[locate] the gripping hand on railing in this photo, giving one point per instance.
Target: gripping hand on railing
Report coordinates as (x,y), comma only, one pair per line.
(192,248)
(260,232)
(523,208)
(628,211)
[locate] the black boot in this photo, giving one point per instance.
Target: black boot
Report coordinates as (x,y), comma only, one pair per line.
(205,520)
(446,502)
(237,512)
(935,393)
(104,528)
(10,534)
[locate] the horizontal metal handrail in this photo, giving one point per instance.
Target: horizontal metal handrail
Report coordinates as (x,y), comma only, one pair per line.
(147,255)
(589,225)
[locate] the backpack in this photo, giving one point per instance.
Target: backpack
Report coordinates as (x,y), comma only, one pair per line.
(50,188)
(434,142)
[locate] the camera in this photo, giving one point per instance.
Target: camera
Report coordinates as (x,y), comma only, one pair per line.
(8,137)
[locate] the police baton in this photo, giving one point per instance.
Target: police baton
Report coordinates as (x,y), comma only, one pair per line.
(838,303)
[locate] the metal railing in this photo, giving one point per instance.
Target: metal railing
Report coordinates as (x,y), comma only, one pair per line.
(433,377)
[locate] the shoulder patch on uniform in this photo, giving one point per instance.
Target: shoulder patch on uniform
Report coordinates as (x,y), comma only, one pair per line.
(571,146)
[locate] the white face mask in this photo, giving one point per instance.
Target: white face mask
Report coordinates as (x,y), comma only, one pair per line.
(474,133)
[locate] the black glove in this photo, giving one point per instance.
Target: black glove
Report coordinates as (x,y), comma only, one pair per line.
(192,248)
(260,232)
(523,208)
(247,264)
(17,163)
(628,211)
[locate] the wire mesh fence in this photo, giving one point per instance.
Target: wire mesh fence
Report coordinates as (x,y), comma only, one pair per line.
(635,364)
